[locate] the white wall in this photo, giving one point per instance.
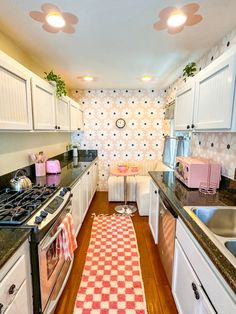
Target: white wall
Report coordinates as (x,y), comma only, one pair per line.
(16,147)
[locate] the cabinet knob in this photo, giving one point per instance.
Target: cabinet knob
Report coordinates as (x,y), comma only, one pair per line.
(197,295)
(55,126)
(155,192)
(188,126)
(88,173)
(192,126)
(78,129)
(1,307)
(12,289)
(59,127)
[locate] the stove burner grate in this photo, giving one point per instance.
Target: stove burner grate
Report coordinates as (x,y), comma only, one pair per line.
(17,207)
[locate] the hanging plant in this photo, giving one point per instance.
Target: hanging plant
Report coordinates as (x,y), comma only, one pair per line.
(60,84)
(189,70)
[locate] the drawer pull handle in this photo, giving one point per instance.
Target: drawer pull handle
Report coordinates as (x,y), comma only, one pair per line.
(1,308)
(12,289)
(194,287)
(197,295)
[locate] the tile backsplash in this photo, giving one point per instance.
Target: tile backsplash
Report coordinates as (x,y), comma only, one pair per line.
(218,146)
(142,136)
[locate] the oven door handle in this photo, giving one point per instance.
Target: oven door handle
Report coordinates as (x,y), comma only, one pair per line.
(52,239)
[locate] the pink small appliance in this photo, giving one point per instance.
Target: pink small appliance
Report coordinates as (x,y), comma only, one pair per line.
(53,166)
(193,171)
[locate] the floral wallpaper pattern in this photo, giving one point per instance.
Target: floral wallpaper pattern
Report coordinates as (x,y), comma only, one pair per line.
(142,136)
(219,146)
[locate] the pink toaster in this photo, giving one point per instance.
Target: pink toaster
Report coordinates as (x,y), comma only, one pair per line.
(53,166)
(193,171)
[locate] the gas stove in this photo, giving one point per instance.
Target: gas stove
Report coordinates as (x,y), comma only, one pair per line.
(35,207)
(17,207)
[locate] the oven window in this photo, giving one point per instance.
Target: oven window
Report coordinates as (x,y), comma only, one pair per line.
(52,256)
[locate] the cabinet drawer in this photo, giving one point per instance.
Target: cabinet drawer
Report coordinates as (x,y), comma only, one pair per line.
(20,303)
(212,281)
(11,283)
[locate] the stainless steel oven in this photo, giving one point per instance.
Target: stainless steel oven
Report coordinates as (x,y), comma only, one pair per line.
(53,269)
(166,235)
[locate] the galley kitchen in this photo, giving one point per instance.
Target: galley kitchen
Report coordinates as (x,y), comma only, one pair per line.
(118,157)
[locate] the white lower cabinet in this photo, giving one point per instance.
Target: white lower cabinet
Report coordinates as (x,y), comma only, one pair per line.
(19,303)
(154,211)
(83,192)
(15,283)
(197,286)
(187,291)
(77,206)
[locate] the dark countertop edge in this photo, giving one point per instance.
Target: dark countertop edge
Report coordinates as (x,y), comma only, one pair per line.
(73,182)
(6,257)
(221,263)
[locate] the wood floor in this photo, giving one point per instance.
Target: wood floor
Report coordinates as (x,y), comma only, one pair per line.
(158,294)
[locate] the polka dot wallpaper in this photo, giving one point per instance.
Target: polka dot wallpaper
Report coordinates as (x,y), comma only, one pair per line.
(215,145)
(142,136)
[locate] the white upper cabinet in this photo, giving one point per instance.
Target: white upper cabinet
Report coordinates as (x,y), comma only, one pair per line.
(76,117)
(63,114)
(15,96)
(215,94)
(207,101)
(184,107)
(44,107)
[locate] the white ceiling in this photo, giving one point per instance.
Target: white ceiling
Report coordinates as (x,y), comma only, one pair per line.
(115,40)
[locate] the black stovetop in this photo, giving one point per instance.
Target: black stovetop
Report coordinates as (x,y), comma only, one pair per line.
(17,207)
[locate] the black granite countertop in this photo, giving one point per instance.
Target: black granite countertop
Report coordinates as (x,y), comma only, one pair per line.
(178,195)
(10,241)
(71,171)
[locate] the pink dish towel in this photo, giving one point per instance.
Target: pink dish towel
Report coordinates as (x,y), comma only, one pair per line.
(66,241)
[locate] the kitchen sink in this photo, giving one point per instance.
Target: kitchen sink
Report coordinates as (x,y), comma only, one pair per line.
(219,223)
(231,246)
(220,220)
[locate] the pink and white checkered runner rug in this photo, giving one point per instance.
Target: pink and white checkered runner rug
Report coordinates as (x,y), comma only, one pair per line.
(111,281)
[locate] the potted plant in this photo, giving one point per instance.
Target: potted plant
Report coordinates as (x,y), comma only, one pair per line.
(189,70)
(60,84)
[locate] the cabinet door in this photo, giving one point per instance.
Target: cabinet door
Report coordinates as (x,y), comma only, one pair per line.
(15,98)
(90,184)
(95,177)
(186,288)
(63,117)
(154,211)
(73,117)
(80,120)
(215,94)
(84,197)
(20,303)
(77,210)
(43,105)
(184,106)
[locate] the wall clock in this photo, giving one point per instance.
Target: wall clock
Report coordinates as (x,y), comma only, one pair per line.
(120,123)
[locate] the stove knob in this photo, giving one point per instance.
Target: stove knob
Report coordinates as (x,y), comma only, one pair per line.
(66,189)
(38,220)
(62,193)
(43,214)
